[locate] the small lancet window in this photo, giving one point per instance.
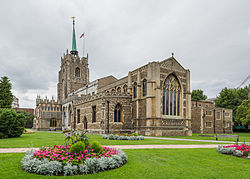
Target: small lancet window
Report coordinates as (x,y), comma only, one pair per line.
(125,88)
(144,87)
(77,72)
(135,90)
(117,113)
(171,96)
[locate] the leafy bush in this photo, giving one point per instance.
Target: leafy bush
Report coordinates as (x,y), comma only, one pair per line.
(11,123)
(105,136)
(236,150)
(223,150)
(83,169)
(97,147)
(134,134)
(74,136)
(111,137)
(43,167)
(116,137)
(237,153)
(77,148)
(70,169)
(3,136)
(28,118)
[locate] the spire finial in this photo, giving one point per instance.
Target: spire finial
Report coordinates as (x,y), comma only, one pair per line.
(74,50)
(172,54)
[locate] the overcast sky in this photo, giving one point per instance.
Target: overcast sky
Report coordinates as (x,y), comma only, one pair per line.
(211,38)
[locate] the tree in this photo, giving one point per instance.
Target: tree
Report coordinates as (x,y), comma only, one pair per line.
(6,97)
(28,118)
(198,95)
(11,123)
(232,98)
(243,112)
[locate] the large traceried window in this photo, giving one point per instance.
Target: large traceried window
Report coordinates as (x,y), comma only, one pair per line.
(117,113)
(171,94)
(77,72)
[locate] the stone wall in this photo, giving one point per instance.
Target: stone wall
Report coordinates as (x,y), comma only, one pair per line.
(68,81)
(105,106)
(206,118)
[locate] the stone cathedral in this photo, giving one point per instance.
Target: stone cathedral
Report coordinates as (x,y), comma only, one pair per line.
(154,99)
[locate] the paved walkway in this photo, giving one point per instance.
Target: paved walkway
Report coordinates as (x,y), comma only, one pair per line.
(22,150)
(196,140)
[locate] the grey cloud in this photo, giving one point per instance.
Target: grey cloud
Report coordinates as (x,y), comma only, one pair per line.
(211,38)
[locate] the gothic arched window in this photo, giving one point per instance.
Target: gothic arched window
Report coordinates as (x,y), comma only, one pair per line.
(171,96)
(77,72)
(125,88)
(117,113)
(118,90)
(135,90)
(144,87)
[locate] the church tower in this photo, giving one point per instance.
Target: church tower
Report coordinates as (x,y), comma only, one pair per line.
(74,71)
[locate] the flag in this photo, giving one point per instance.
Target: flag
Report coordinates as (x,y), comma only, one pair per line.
(82,35)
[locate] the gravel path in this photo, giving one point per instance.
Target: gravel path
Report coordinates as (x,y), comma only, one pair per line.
(22,150)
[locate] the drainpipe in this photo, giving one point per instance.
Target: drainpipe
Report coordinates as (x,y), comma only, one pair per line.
(108,118)
(223,125)
(214,122)
(74,118)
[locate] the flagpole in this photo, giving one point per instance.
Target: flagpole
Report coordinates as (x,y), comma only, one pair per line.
(83,47)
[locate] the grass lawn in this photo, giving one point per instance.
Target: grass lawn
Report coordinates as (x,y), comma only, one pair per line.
(39,139)
(242,137)
(153,163)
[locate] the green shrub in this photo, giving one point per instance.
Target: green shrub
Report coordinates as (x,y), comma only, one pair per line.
(11,123)
(77,147)
(28,118)
(97,147)
(3,136)
(134,134)
(84,139)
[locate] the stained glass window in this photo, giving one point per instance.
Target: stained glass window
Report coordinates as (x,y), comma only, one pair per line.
(171,96)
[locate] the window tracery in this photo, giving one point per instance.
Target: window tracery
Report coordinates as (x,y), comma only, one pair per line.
(171,94)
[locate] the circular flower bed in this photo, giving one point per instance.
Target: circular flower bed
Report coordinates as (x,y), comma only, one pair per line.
(77,156)
(58,160)
(236,150)
(119,137)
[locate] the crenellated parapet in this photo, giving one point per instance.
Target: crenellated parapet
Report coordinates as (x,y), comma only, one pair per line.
(45,100)
(67,57)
